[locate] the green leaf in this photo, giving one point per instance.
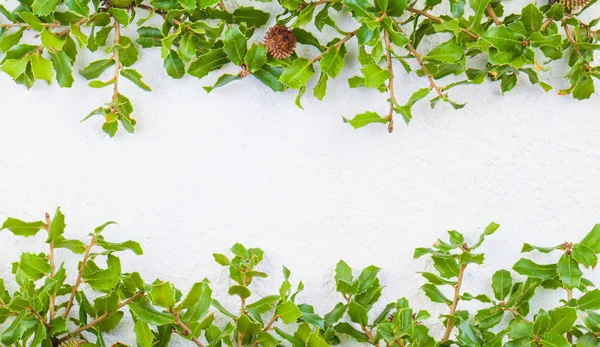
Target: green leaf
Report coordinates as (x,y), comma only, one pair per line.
(41,68)
(541,322)
(32,20)
(240,291)
(213,59)
(448,52)
(64,69)
(479,7)
(289,312)
(221,259)
(568,271)
(96,68)
(163,294)
(146,313)
(374,75)
(102,280)
(234,44)
(529,247)
(358,313)
(360,120)
(590,300)
(345,328)
(119,247)
(143,334)
(256,57)
(332,61)
(44,7)
(79,7)
(174,65)
(269,76)
(489,317)
(561,320)
(501,284)
(128,54)
(584,255)
(21,228)
(555,340)
(135,77)
(250,16)
(592,239)
(504,39)
(222,80)
(528,268)
(434,294)
(120,15)
(532,18)
(395,8)
(297,74)
(321,87)
(15,67)
(10,40)
(34,266)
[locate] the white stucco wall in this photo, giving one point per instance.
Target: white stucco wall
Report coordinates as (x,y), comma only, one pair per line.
(245,165)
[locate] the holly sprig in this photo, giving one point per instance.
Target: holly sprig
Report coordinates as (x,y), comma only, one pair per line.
(56,305)
(41,39)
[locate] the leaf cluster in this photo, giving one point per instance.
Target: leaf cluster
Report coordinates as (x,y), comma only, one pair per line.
(196,37)
(48,310)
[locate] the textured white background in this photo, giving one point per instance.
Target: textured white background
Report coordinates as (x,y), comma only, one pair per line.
(245,165)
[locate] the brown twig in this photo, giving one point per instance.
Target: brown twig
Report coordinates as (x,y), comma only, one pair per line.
(362,327)
(337,45)
(417,56)
(68,29)
(517,314)
(117,40)
(546,23)
(574,44)
(86,257)
(39,317)
(102,317)
(450,322)
(492,14)
(186,329)
(268,326)
(390,68)
(27,26)
(440,20)
(51,304)
(569,298)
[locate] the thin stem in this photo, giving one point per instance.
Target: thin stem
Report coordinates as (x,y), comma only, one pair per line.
(68,29)
(450,322)
(574,44)
(337,45)
(102,317)
(440,20)
(186,329)
(569,298)
(417,56)
(362,327)
(390,68)
(222,5)
(268,326)
(516,314)
(86,257)
(51,306)
(27,26)
(546,23)
(115,96)
(39,317)
(492,14)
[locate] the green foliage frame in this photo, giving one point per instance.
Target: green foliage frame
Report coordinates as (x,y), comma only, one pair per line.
(46,310)
(199,36)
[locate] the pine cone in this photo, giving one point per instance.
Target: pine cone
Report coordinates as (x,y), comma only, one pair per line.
(280,42)
(74,342)
(574,5)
